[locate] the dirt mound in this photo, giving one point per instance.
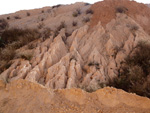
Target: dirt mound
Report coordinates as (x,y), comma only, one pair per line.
(26,97)
(105,11)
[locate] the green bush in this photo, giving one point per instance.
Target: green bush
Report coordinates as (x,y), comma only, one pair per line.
(134,76)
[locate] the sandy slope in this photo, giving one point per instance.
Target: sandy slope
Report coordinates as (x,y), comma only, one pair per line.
(26,97)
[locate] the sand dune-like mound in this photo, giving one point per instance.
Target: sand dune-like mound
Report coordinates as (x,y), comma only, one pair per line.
(23,96)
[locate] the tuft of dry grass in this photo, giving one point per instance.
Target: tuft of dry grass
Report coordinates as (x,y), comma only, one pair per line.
(121,9)
(47,32)
(17,17)
(89,11)
(3,25)
(56,6)
(42,11)
(22,36)
(28,14)
(12,39)
(56,32)
(62,25)
(86,19)
(76,13)
(7,53)
(25,55)
(8,18)
(74,23)
(41,25)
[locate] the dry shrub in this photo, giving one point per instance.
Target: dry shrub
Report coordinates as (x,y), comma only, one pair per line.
(49,10)
(4,65)
(41,25)
(42,11)
(28,14)
(86,4)
(46,33)
(17,17)
(121,9)
(15,44)
(8,18)
(3,25)
(22,36)
(25,55)
(62,25)
(7,53)
(134,76)
(89,11)
(86,19)
(56,6)
(13,39)
(56,32)
(133,29)
(31,46)
(67,34)
(96,64)
(42,19)
(76,13)
(74,23)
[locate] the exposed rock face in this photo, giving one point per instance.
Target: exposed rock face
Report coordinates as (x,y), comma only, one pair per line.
(85,59)
(22,96)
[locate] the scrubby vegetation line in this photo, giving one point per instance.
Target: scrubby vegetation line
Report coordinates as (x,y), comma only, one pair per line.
(134,75)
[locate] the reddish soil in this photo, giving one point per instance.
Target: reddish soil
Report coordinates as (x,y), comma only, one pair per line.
(105,11)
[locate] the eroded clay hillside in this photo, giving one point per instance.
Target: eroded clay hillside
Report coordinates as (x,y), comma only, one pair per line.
(88,58)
